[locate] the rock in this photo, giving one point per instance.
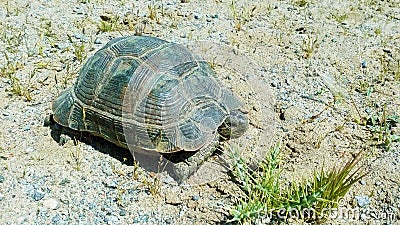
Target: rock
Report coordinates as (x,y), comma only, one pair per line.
(26,128)
(111,219)
(64,181)
(2,179)
(362,201)
(97,41)
(29,149)
(1,196)
(106,16)
(80,37)
(107,170)
(37,195)
(195,197)
(50,203)
(64,139)
(141,219)
(61,46)
(173,199)
(364,64)
(122,212)
(168,180)
(56,219)
(78,10)
(292,113)
(112,184)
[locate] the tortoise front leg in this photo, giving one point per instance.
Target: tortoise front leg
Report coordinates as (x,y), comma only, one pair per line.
(185,164)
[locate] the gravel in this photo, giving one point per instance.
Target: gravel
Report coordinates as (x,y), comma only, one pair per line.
(40,182)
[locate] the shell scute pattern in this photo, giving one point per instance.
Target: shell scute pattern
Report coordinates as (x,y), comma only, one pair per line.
(164,97)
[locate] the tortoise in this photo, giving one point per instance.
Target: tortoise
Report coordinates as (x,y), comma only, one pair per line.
(142,92)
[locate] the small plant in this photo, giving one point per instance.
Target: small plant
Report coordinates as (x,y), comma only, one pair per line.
(381,129)
(47,28)
(301,3)
(340,18)
(108,24)
(140,28)
(79,51)
(76,157)
(265,196)
(154,184)
(22,89)
(309,46)
(135,174)
(152,11)
(18,89)
(241,15)
(120,193)
(11,11)
(397,71)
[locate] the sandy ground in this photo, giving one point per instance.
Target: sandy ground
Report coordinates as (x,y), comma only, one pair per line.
(307,71)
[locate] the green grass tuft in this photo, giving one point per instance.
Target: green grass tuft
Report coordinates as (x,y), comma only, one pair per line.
(266,197)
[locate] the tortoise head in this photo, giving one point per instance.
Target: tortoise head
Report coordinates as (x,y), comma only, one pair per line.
(234,125)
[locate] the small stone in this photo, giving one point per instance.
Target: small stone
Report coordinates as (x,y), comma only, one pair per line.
(106,16)
(78,10)
(26,128)
(37,195)
(122,212)
(215,16)
(1,196)
(362,182)
(141,219)
(29,149)
(363,217)
(50,203)
(79,36)
(364,64)
(362,200)
(291,114)
(60,46)
(107,170)
(195,197)
(2,179)
(168,180)
(111,219)
(173,199)
(64,181)
(64,139)
(197,16)
(208,20)
(56,218)
(92,205)
(97,41)
(112,184)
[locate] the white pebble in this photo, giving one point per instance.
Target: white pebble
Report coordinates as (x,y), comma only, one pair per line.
(50,203)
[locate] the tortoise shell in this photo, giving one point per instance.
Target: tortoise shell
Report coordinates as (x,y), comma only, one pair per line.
(152,94)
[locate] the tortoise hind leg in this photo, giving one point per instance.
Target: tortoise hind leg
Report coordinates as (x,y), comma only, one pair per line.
(186,164)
